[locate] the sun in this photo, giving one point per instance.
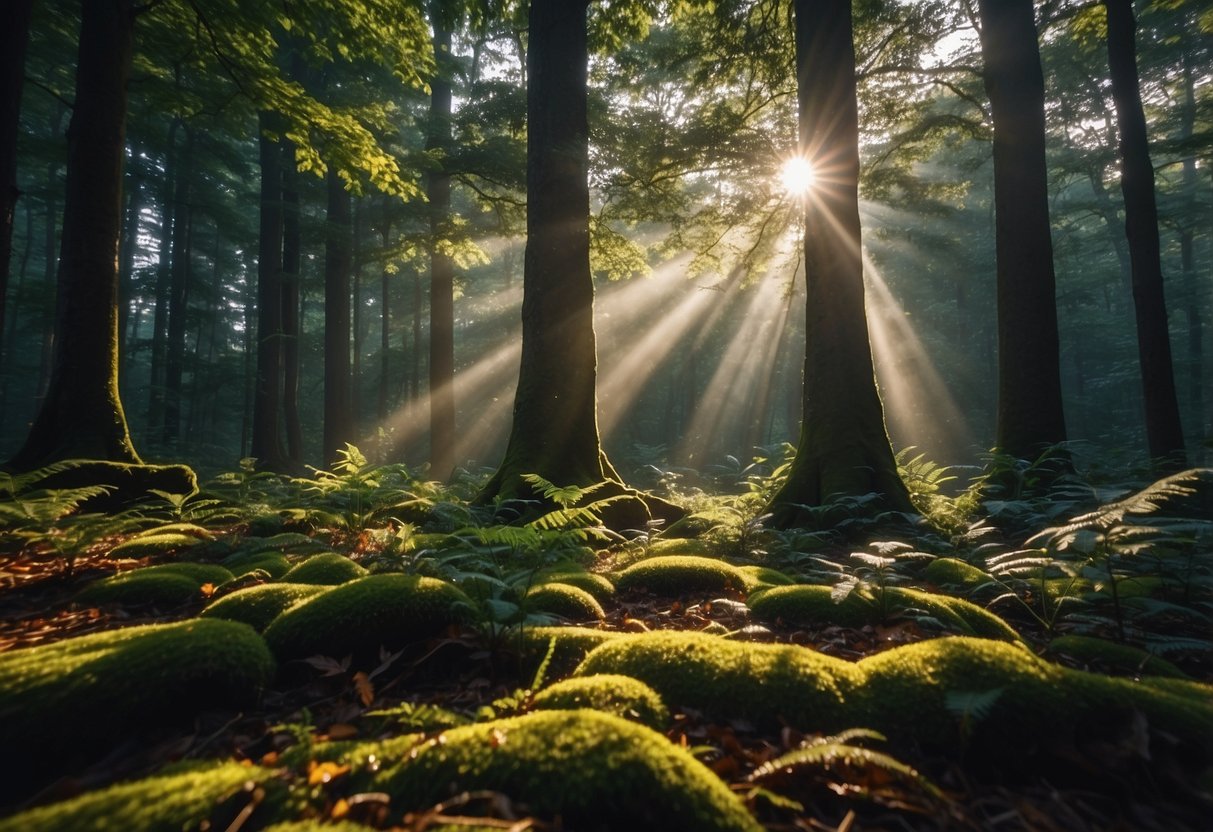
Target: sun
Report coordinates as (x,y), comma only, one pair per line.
(798,176)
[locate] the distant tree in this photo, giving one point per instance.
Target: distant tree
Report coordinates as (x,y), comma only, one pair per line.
(1164,434)
(844,448)
(1030,416)
(81,414)
(338,267)
(14,38)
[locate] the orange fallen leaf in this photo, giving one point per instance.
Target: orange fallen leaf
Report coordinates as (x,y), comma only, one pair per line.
(207,590)
(342,731)
(365,688)
(318,773)
(340,809)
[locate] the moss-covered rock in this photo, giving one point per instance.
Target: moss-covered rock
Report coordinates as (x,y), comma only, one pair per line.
(270,562)
(565,601)
(180,799)
(804,605)
(572,645)
(677,574)
(682,546)
(327,568)
(164,585)
(128,482)
(594,770)
(597,585)
(148,545)
(955,573)
(761,577)
(959,615)
(65,702)
(361,616)
(1104,654)
(610,693)
(767,683)
(257,606)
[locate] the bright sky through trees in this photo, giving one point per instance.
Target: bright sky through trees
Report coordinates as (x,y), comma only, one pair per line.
(797,176)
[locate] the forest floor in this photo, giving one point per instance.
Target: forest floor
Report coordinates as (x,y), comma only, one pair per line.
(1130,778)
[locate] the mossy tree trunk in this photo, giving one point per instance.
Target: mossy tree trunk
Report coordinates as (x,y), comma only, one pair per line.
(844,448)
(1030,417)
(338,417)
(1164,435)
(442,265)
(81,415)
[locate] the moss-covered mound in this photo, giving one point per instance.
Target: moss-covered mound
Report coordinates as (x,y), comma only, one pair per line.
(327,568)
(803,605)
(257,606)
(956,614)
(571,646)
(762,577)
(170,801)
(361,616)
(682,546)
(766,683)
(66,702)
(610,693)
(169,584)
(270,562)
(597,585)
(128,482)
(677,574)
(565,601)
(955,573)
(1110,655)
(148,545)
(595,770)
(943,693)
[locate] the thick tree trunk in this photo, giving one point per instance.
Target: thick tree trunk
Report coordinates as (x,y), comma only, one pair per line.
(442,265)
(1164,435)
(81,415)
(1030,417)
(265,444)
(338,418)
(14,37)
(844,448)
(292,242)
(178,294)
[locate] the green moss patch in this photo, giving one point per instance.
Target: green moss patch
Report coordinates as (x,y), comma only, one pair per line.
(153,544)
(361,616)
(955,573)
(565,601)
(65,702)
(803,605)
(597,585)
(610,693)
(272,563)
(128,482)
(169,801)
(677,574)
(165,585)
(594,770)
(761,577)
(957,614)
(572,645)
(1105,654)
(328,568)
(257,606)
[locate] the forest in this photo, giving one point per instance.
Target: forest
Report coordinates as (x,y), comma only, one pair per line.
(606,415)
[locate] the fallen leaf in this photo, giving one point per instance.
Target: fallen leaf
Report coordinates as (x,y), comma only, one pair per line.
(365,688)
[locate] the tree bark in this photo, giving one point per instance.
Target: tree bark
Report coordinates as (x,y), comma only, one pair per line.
(844,447)
(338,418)
(178,294)
(385,328)
(81,415)
(292,242)
(14,38)
(1164,435)
(1030,417)
(164,278)
(1192,287)
(265,443)
(442,265)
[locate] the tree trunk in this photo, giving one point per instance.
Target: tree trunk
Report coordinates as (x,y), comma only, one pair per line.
(291,320)
(164,278)
(385,335)
(265,444)
(1030,417)
(81,415)
(178,294)
(1192,287)
(126,272)
(1164,435)
(14,37)
(338,418)
(844,448)
(442,265)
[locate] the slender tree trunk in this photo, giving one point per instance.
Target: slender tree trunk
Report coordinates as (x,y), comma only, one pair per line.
(442,265)
(81,416)
(178,294)
(1164,434)
(415,376)
(49,245)
(844,448)
(385,331)
(1030,417)
(291,319)
(338,418)
(164,278)
(265,444)
(126,273)
(14,37)
(1192,286)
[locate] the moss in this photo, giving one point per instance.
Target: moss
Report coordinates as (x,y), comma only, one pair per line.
(572,645)
(594,770)
(129,482)
(766,683)
(958,614)
(803,605)
(242,563)
(65,702)
(191,529)
(361,616)
(597,585)
(257,606)
(682,546)
(761,577)
(677,574)
(610,693)
(329,826)
(1108,654)
(169,584)
(328,568)
(565,601)
(153,544)
(954,572)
